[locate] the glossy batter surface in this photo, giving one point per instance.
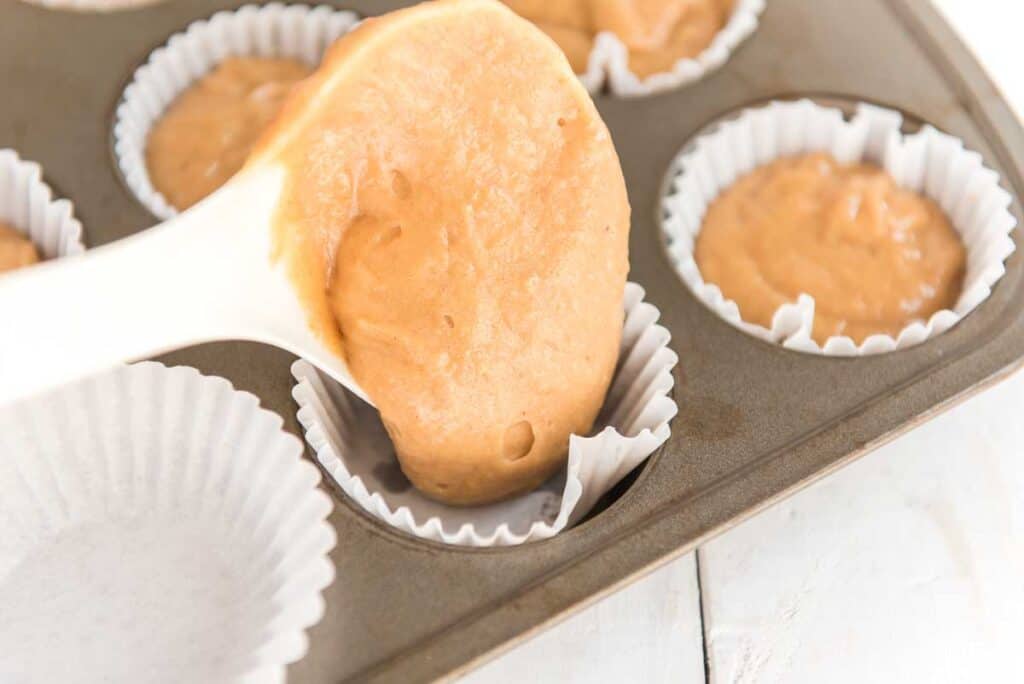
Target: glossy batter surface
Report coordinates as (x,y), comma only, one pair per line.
(874,256)
(456,221)
(208,131)
(657,33)
(16,250)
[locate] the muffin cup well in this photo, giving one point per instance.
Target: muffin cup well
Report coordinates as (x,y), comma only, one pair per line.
(929,162)
(159,526)
(354,450)
(275,30)
(27,204)
(609,58)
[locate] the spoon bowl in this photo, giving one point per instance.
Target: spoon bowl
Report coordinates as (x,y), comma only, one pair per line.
(207,274)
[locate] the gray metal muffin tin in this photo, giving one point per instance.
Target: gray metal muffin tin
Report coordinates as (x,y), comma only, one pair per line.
(756,422)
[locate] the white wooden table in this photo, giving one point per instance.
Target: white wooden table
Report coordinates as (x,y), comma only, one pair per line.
(907,566)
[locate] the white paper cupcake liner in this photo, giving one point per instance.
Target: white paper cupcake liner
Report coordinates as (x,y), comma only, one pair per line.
(158,526)
(275,30)
(352,446)
(27,204)
(609,58)
(929,162)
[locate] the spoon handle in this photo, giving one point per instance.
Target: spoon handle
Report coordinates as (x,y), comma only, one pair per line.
(69,318)
(186,281)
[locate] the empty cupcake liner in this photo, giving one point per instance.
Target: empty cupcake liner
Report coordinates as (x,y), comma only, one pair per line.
(27,204)
(158,526)
(609,59)
(354,450)
(275,30)
(929,162)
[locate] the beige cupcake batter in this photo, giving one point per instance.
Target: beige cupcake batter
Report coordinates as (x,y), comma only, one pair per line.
(657,33)
(208,131)
(457,223)
(875,257)
(16,250)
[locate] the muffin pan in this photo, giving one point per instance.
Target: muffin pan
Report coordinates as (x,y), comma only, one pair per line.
(756,422)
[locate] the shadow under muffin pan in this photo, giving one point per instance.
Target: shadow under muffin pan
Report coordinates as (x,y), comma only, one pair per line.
(756,422)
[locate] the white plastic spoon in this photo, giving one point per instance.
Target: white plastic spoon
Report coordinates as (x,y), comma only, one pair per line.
(202,276)
(205,275)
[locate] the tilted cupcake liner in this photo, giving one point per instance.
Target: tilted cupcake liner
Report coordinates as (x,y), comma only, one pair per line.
(275,30)
(929,162)
(609,58)
(157,526)
(27,204)
(352,446)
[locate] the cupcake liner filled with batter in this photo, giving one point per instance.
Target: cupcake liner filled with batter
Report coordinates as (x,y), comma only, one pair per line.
(353,448)
(642,48)
(191,113)
(33,225)
(903,283)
